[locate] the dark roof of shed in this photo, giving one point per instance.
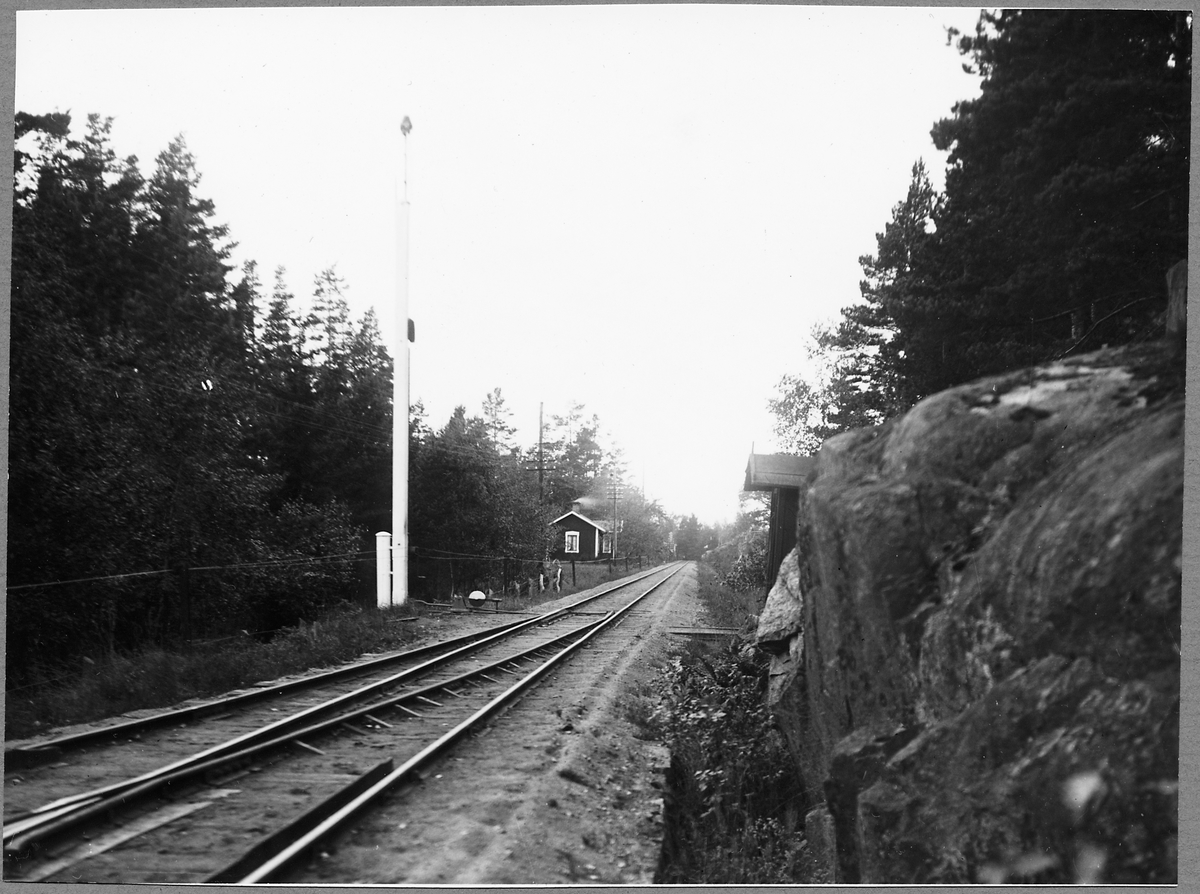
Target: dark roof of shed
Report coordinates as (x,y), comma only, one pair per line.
(582,516)
(766,471)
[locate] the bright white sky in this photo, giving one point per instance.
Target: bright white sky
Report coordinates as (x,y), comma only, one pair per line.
(641,208)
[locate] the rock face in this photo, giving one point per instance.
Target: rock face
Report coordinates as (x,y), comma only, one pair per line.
(1176,320)
(975,645)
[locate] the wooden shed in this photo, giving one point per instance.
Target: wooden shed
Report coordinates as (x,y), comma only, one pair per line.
(580,538)
(783,476)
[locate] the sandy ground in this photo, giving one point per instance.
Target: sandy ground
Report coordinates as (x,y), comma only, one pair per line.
(562,788)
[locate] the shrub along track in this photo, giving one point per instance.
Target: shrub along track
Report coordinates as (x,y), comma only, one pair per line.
(261,790)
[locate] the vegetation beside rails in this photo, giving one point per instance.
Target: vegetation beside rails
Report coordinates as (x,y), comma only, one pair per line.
(158,678)
(155,678)
(735,803)
(731,595)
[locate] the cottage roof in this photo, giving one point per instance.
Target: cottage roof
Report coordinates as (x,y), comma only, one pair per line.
(582,516)
(766,471)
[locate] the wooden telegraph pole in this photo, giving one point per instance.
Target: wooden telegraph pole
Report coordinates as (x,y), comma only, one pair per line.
(615,485)
(541,468)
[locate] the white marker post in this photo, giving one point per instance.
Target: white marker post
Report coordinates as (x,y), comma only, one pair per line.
(383,568)
(399,593)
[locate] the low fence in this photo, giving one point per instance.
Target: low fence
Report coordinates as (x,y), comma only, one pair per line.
(54,620)
(438,576)
(63,620)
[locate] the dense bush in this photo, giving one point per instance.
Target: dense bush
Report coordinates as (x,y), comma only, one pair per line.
(732,581)
(735,802)
(748,570)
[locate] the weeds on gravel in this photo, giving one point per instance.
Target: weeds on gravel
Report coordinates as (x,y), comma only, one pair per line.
(155,678)
(726,607)
(734,806)
(639,706)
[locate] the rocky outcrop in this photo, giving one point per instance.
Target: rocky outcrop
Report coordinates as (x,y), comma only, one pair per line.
(1176,318)
(975,645)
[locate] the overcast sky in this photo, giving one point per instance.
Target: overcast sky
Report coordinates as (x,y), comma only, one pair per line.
(644,209)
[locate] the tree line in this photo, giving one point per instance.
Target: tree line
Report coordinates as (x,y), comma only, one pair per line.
(188,453)
(193,452)
(481,505)
(1065,203)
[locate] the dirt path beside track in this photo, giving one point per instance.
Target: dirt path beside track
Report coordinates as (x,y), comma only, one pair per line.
(563,787)
(560,789)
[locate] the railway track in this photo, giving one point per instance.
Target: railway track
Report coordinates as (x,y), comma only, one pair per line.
(283,768)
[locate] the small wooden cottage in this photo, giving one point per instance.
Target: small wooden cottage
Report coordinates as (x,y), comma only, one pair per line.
(580,538)
(783,476)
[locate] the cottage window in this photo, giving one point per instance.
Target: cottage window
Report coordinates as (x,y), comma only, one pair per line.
(572,542)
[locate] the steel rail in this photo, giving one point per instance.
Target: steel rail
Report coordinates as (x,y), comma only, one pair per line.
(27,757)
(53,819)
(274,865)
(29,831)
(265,732)
(278,840)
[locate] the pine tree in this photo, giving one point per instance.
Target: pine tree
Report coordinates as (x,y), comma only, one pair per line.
(1064,207)
(497,415)
(126,432)
(328,329)
(355,455)
(181,288)
(889,350)
(286,431)
(574,453)
(1066,183)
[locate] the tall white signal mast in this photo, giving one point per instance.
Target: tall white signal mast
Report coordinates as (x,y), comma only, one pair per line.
(400,396)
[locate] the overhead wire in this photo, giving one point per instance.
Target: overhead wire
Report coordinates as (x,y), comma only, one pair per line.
(299,560)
